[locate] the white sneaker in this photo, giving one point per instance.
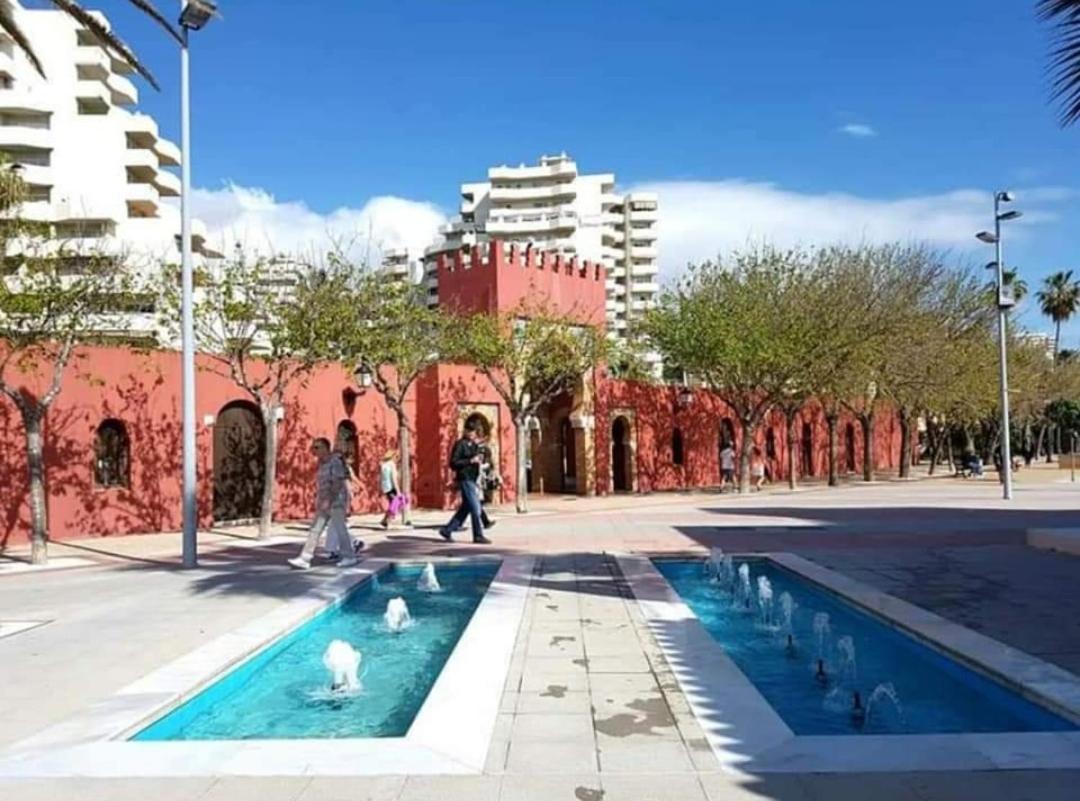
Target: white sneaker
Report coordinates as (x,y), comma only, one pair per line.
(348,562)
(299,564)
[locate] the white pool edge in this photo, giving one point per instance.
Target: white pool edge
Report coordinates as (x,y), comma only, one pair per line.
(748,737)
(441,740)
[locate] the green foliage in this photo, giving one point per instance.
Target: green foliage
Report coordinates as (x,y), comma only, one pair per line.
(1065,414)
(266,323)
(1059,300)
(530,355)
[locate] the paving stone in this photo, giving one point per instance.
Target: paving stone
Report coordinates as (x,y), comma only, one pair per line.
(653,756)
(553,728)
(274,788)
(526,757)
(626,663)
(584,787)
(622,683)
(768,787)
(663,787)
(858,787)
(555,699)
(451,788)
(360,788)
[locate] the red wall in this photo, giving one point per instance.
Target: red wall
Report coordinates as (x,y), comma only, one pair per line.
(143,391)
(501,277)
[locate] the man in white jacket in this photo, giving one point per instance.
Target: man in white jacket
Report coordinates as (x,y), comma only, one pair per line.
(331,505)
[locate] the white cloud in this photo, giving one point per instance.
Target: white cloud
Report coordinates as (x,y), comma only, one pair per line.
(699,220)
(261,223)
(857,130)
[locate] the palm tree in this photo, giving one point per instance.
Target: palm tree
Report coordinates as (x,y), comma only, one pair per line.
(108,39)
(1065,57)
(1059,299)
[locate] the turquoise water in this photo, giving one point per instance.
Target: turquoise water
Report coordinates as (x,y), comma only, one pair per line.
(283,691)
(935,694)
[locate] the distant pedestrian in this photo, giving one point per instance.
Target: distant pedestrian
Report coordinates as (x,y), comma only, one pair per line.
(390,487)
(331,502)
(757,468)
(488,482)
(465,461)
(727,466)
(338,540)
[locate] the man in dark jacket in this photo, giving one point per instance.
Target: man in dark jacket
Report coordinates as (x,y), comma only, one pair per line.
(465,459)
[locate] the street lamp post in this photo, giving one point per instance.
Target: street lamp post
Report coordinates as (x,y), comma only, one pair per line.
(1004,303)
(194,14)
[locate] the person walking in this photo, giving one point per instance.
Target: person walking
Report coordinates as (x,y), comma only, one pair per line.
(757,468)
(338,540)
(727,466)
(487,484)
(331,501)
(390,487)
(465,460)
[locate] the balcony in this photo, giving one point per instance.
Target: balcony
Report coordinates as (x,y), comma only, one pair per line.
(522,223)
(644,216)
(92,97)
(612,219)
(562,169)
(609,199)
(122,91)
(34,100)
(167,152)
(36,174)
(643,235)
(7,63)
(17,136)
(141,164)
(643,252)
(92,62)
(168,185)
(645,288)
(142,131)
(510,194)
(143,200)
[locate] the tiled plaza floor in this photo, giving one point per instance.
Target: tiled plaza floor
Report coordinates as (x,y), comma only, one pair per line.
(590,709)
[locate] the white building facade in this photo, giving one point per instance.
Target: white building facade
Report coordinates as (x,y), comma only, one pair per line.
(551,206)
(96,169)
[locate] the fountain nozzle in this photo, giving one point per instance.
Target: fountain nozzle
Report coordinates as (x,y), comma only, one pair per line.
(858,712)
(821,675)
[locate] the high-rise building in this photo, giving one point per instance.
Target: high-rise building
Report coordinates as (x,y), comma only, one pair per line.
(96,170)
(550,206)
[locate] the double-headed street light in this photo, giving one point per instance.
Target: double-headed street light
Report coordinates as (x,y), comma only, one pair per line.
(194,14)
(1005,301)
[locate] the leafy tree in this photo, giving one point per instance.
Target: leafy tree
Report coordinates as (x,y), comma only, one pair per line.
(739,325)
(46,311)
(530,356)
(1059,299)
(265,325)
(109,40)
(1065,57)
(398,338)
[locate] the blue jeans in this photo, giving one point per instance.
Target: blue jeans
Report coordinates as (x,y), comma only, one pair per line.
(469,507)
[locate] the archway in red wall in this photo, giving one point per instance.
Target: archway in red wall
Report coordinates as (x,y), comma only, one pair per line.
(807,449)
(849,448)
(621,451)
(239,467)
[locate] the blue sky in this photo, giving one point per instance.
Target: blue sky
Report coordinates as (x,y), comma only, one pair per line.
(751,119)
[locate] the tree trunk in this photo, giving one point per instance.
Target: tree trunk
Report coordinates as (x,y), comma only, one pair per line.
(748,429)
(830,422)
(933,436)
(867,421)
(35,462)
(1040,440)
(405,469)
(270,448)
(521,491)
(905,443)
(789,442)
(949,449)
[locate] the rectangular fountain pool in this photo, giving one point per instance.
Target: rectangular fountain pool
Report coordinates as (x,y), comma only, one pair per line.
(904,686)
(283,691)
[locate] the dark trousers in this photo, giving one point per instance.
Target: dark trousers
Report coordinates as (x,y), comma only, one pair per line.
(469,507)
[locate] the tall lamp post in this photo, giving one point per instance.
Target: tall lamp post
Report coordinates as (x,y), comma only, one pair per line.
(194,14)
(1005,301)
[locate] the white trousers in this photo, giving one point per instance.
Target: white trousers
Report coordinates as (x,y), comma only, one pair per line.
(337,538)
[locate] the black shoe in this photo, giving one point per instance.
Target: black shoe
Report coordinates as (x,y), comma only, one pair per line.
(446,535)
(490,524)
(358,545)
(481,540)
(333,556)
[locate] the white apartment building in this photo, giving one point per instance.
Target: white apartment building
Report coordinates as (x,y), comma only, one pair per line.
(95,168)
(551,206)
